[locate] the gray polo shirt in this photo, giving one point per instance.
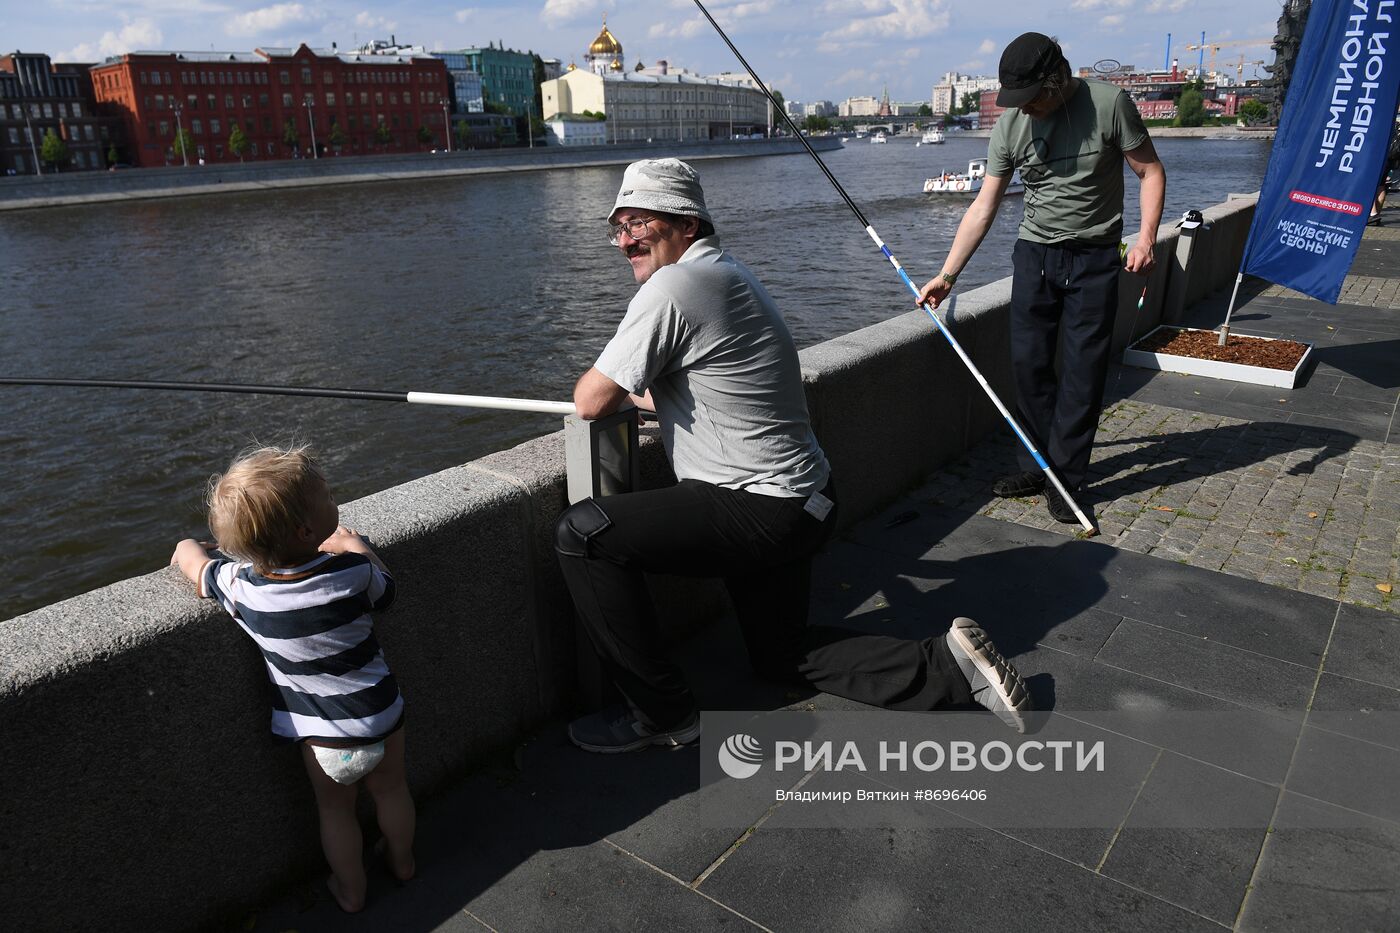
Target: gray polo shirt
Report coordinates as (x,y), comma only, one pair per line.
(1071,164)
(706,338)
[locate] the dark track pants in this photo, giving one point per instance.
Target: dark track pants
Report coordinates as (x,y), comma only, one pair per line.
(1073,290)
(762,547)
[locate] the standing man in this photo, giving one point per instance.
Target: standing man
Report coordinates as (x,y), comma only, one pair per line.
(1068,138)
(703,345)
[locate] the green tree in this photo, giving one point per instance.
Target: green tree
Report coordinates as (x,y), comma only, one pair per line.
(382,135)
(778,99)
(183,145)
(53,150)
(238,142)
(815,124)
(113,157)
(1254,111)
(337,137)
(539,80)
(464,134)
(290,137)
(425,135)
(970,103)
(925,110)
(1190,109)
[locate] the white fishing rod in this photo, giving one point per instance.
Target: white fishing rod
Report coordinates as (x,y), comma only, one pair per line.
(367,395)
(904,276)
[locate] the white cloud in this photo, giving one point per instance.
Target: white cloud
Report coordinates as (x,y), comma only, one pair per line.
(366,20)
(987,47)
(688,29)
(135,34)
(1114,20)
(1100,4)
(1166,6)
(462,16)
(882,20)
(559,12)
(264,20)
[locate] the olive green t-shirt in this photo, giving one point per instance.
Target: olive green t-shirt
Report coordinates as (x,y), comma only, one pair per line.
(1071,164)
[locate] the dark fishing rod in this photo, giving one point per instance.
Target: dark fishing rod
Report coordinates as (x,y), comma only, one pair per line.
(904,276)
(365,395)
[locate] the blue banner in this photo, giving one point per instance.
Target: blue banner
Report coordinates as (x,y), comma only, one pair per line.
(1330,149)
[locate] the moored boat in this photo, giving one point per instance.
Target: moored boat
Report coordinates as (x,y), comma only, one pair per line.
(969,183)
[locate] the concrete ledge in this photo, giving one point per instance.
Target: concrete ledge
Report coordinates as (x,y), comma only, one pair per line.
(137,769)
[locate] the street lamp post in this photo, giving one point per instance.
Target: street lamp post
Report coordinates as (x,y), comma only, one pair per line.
(29,130)
(731,120)
(180,135)
(311,119)
(447,125)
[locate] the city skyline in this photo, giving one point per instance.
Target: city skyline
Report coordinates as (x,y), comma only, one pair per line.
(829,50)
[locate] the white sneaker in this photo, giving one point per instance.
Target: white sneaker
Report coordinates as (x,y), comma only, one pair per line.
(995,684)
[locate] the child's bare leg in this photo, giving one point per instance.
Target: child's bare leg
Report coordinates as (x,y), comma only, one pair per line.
(340,834)
(393,804)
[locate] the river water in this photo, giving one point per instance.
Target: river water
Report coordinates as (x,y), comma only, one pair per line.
(489,285)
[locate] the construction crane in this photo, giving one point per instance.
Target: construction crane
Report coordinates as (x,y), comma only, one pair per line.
(1239,68)
(1217,46)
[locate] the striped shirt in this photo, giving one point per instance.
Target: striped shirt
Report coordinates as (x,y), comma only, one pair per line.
(313,626)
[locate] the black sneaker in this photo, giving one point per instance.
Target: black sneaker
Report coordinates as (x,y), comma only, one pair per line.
(1019,484)
(616,729)
(1059,508)
(994,683)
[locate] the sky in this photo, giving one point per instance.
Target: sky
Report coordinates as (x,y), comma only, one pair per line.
(808,49)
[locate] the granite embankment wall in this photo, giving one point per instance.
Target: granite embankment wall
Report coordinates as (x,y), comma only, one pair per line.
(139,788)
(72,188)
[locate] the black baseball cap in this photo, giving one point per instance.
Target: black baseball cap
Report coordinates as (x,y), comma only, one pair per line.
(1026,63)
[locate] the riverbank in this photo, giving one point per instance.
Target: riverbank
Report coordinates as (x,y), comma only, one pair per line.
(1177,132)
(28,192)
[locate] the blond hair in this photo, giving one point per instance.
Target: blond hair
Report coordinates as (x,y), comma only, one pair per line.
(259,503)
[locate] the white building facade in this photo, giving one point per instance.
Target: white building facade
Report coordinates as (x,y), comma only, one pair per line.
(643,107)
(859,107)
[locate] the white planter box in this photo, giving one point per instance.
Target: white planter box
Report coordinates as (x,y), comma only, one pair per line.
(1237,372)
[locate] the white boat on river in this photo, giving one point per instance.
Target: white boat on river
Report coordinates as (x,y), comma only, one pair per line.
(953,183)
(932,137)
(879,138)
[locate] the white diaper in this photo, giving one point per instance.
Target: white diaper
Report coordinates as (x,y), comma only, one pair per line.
(348,765)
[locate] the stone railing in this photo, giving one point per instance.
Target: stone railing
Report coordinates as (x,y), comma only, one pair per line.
(138,784)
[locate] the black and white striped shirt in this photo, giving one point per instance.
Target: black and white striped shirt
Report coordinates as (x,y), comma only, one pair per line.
(313,626)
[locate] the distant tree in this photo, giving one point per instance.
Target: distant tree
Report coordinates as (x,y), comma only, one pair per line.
(1190,109)
(970,103)
(464,134)
(290,137)
(337,137)
(183,147)
(382,134)
(539,80)
(113,157)
(925,110)
(53,150)
(238,142)
(1254,111)
(778,98)
(815,124)
(425,136)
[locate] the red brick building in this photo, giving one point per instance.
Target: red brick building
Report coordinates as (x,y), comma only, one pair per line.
(38,97)
(279,98)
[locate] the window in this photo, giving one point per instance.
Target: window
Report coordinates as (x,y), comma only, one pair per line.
(28,136)
(213,100)
(228,101)
(48,111)
(215,127)
(160,101)
(143,77)
(197,127)
(14,136)
(379,98)
(87,131)
(272,149)
(286,100)
(155,77)
(167,78)
(165,127)
(199,150)
(247,101)
(77,109)
(62,109)
(218,150)
(262,100)
(327,77)
(305,75)
(393,97)
(364,98)
(194,101)
(330,99)
(285,77)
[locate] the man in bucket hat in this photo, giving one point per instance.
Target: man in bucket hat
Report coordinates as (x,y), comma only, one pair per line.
(703,345)
(1068,138)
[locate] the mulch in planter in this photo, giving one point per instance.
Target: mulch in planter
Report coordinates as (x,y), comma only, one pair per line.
(1203,345)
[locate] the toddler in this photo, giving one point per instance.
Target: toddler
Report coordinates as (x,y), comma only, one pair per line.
(302,586)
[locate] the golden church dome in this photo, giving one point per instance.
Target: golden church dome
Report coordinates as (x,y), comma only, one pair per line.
(606,43)
(572,67)
(615,66)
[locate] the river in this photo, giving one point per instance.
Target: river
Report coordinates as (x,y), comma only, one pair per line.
(489,285)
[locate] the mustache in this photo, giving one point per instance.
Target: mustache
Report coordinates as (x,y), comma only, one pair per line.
(634,250)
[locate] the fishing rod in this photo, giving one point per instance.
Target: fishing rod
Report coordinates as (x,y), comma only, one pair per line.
(904,276)
(367,395)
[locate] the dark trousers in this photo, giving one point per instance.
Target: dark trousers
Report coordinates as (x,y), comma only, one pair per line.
(1062,295)
(762,547)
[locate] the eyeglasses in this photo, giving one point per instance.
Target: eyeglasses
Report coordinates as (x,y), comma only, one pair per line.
(636,229)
